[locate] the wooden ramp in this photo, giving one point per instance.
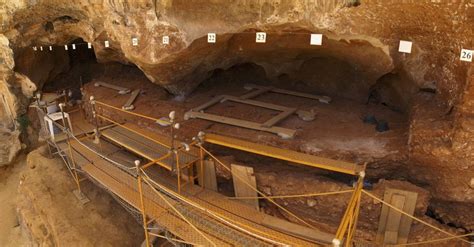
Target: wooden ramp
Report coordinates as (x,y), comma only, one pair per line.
(247,219)
(285,154)
(151,150)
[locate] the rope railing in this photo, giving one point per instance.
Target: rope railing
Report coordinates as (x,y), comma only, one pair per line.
(292,196)
(452,236)
(220,217)
(157,120)
(256,190)
(177,211)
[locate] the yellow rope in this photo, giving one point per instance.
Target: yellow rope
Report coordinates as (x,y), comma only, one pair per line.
(133,113)
(177,211)
(434,240)
(172,239)
(413,217)
(291,196)
(227,220)
(259,192)
(132,130)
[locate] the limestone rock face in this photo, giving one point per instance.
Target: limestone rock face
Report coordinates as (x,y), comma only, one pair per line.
(360,42)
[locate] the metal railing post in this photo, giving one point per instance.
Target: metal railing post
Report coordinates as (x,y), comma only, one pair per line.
(142,202)
(66,131)
(96,120)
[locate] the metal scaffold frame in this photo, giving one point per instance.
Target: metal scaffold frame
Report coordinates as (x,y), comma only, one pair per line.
(179,205)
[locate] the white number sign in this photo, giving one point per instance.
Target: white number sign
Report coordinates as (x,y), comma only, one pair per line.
(50,48)
(41,48)
(134,41)
(89,45)
(73,46)
(35,48)
(166,40)
(106,43)
(466,55)
(65,47)
(316,39)
(405,46)
(261,37)
(211,38)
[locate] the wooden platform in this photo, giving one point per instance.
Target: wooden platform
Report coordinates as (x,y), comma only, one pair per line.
(146,148)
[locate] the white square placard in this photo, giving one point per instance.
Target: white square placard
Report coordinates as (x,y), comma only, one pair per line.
(405,46)
(211,38)
(316,39)
(261,37)
(89,45)
(106,43)
(166,40)
(466,55)
(134,41)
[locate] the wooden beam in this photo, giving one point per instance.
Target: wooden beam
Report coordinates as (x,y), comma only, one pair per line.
(242,177)
(282,132)
(122,90)
(129,104)
(276,119)
(322,99)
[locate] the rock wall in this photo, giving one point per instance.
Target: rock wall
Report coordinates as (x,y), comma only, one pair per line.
(364,35)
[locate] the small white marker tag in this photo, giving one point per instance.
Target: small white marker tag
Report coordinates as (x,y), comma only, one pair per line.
(261,37)
(106,43)
(166,40)
(41,48)
(134,41)
(466,55)
(405,46)
(211,38)
(73,46)
(89,45)
(35,48)
(316,39)
(50,48)
(65,47)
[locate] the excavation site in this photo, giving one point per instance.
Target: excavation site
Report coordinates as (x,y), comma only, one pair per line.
(237,123)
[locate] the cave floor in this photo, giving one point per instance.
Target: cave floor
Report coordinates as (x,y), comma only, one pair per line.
(337,132)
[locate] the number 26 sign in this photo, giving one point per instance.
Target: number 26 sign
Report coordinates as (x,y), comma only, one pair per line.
(466,55)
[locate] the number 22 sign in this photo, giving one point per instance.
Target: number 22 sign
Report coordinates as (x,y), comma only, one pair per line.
(466,55)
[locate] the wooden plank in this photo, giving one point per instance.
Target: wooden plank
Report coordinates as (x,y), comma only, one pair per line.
(394,227)
(122,90)
(242,177)
(284,154)
(296,230)
(213,101)
(276,119)
(129,104)
(393,220)
(255,93)
(282,132)
(322,99)
(256,103)
(210,178)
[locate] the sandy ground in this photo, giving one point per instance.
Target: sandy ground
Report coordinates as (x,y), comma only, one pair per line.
(10,230)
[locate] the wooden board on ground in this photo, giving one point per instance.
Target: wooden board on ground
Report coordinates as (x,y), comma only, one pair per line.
(121,90)
(128,106)
(393,226)
(296,230)
(242,177)
(210,179)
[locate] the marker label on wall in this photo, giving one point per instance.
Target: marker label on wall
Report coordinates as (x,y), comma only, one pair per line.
(41,48)
(134,41)
(89,45)
(106,43)
(35,48)
(405,46)
(65,47)
(50,48)
(211,38)
(261,37)
(73,46)
(466,55)
(166,40)
(316,39)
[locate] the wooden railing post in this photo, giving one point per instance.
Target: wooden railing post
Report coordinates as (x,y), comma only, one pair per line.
(142,202)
